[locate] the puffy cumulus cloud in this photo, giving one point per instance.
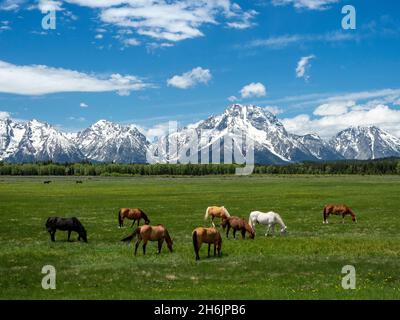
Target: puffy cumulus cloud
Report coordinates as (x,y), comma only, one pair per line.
(274,109)
(334,108)
(330,123)
(306,4)
(302,67)
(83,105)
(41,79)
(254,89)
(190,79)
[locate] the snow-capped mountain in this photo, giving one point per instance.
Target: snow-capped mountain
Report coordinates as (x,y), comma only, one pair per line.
(364,143)
(35,141)
(272,143)
(105,141)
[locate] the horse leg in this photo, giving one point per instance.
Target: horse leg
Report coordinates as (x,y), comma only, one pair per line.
(215,249)
(234,233)
(228,228)
(243,233)
(69,235)
(137,245)
(138,222)
(343,219)
(133,223)
(273,229)
(144,246)
(160,243)
(209,248)
(267,231)
(52,235)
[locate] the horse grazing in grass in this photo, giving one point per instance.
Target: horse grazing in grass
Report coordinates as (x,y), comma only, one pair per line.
(219,212)
(150,233)
(338,209)
(206,235)
(132,214)
(65,224)
(237,224)
(270,219)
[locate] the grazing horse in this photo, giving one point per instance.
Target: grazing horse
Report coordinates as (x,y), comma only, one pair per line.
(132,214)
(219,212)
(47,182)
(338,209)
(78,181)
(206,235)
(65,224)
(150,233)
(237,224)
(270,219)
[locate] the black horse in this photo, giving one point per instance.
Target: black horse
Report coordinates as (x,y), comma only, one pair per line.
(65,224)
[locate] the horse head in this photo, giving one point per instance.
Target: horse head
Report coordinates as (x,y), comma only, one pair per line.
(283,230)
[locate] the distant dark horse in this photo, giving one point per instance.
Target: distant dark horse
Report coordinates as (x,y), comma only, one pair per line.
(65,224)
(47,182)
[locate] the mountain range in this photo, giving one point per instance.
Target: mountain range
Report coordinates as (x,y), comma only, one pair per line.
(105,141)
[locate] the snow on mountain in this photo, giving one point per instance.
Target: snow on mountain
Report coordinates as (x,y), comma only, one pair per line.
(35,141)
(364,143)
(273,144)
(105,141)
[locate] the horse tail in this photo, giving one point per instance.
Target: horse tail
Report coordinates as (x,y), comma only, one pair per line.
(226,212)
(195,242)
(325,212)
(206,216)
(120,221)
(132,235)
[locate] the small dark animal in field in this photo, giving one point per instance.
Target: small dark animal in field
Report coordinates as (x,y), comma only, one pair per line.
(47,182)
(339,210)
(65,224)
(206,235)
(79,181)
(150,233)
(132,214)
(237,224)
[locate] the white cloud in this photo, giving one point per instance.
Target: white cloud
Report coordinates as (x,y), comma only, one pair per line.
(302,66)
(232,98)
(4,115)
(78,119)
(99,36)
(253,90)
(156,131)
(328,125)
(40,79)
(11,5)
(282,41)
(190,79)
(275,110)
(131,42)
(49,5)
(306,4)
(334,108)
(83,105)
(172,20)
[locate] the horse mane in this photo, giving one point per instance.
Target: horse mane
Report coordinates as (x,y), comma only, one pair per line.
(226,212)
(145,217)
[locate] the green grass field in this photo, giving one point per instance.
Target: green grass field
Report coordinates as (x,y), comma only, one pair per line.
(305,264)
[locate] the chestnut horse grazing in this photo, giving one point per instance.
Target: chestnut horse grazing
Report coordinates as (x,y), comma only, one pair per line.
(206,235)
(150,233)
(237,224)
(219,212)
(339,210)
(132,214)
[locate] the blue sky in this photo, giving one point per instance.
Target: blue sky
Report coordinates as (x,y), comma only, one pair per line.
(150,61)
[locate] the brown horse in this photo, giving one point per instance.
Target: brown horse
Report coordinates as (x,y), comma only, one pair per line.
(132,214)
(237,224)
(338,209)
(150,233)
(206,235)
(219,212)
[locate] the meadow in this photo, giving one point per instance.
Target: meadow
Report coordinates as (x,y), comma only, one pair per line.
(304,264)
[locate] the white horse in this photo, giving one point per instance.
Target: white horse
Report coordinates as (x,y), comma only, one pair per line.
(270,219)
